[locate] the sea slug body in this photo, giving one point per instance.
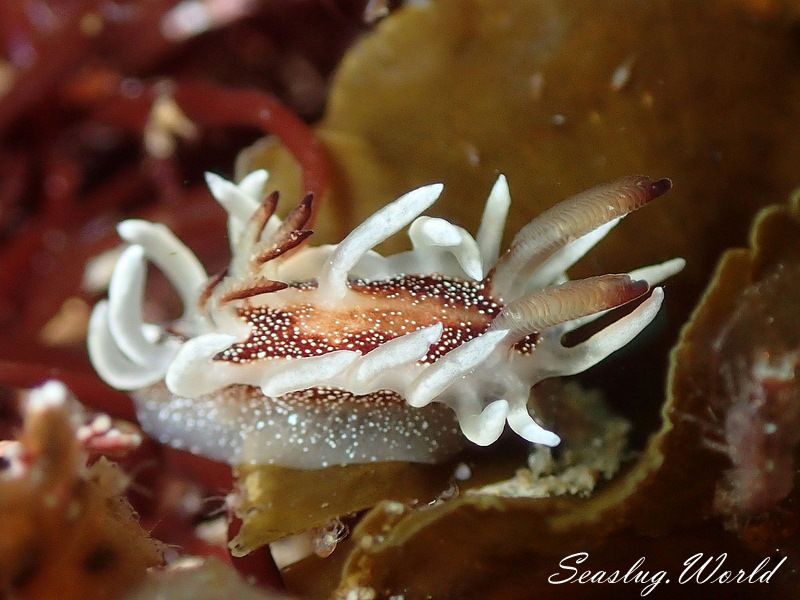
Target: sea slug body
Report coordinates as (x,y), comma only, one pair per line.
(314,356)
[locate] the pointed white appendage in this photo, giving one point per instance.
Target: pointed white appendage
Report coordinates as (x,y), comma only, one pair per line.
(395,353)
(428,233)
(252,185)
(521,422)
(493,222)
(381,225)
(125,311)
(111,364)
(556,360)
(481,427)
(305,373)
(171,256)
(239,201)
(454,365)
(654,274)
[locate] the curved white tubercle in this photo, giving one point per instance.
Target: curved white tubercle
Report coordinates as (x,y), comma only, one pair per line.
(170,255)
(394,353)
(193,372)
(109,362)
(427,232)
(306,373)
(569,361)
(454,365)
(493,222)
(125,311)
(521,422)
(382,224)
(482,427)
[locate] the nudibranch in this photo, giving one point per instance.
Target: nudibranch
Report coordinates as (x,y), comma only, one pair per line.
(314,356)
